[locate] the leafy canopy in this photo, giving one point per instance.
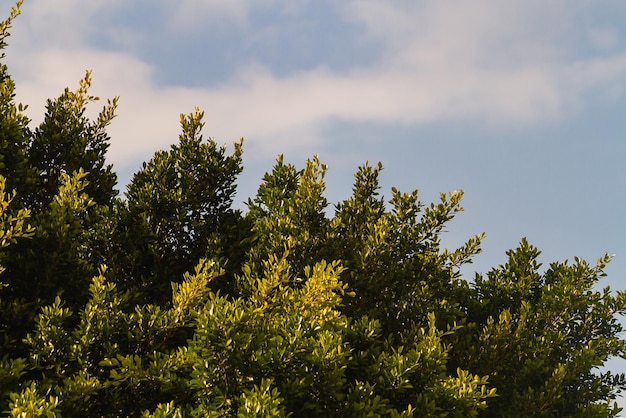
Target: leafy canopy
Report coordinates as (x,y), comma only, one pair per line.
(167,302)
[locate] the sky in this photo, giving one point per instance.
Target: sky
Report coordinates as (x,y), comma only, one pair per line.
(521,104)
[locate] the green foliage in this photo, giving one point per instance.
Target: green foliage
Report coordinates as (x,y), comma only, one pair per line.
(170,303)
(288,215)
(14,132)
(67,141)
(11,226)
(56,260)
(58,173)
(178,208)
(29,403)
(540,335)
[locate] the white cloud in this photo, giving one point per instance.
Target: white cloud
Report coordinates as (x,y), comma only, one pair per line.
(435,33)
(193,12)
(604,38)
(489,62)
(66,22)
(189,14)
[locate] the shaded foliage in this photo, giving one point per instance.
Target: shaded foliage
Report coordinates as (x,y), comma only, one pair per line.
(167,302)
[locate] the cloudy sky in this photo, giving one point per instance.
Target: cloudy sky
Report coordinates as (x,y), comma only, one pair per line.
(522,104)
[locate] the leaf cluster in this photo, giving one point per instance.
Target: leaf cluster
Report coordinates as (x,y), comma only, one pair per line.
(167,302)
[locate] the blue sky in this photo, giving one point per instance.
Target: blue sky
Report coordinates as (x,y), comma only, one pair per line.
(522,104)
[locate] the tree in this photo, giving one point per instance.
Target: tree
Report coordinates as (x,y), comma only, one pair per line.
(167,302)
(67,202)
(67,141)
(47,169)
(178,207)
(541,335)
(14,131)
(287,216)
(12,228)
